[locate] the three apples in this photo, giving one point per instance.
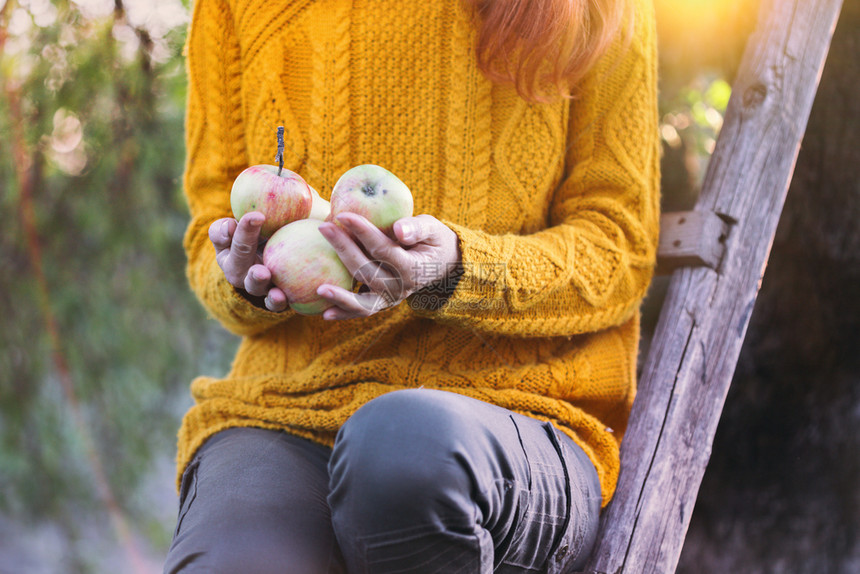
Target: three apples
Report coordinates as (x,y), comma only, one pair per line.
(298,256)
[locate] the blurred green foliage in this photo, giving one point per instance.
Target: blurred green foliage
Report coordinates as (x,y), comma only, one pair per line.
(92,117)
(691,118)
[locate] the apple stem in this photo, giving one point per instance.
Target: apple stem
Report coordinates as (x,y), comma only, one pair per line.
(280,157)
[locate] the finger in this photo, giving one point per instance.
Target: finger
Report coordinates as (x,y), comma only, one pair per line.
(276,300)
(378,275)
(338,314)
(258,280)
(418,229)
(349,305)
(243,248)
(345,304)
(345,246)
(221,232)
(378,245)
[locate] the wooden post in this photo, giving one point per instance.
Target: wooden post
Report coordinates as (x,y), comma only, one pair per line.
(698,338)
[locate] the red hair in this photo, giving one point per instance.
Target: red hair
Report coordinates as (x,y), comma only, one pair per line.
(543,47)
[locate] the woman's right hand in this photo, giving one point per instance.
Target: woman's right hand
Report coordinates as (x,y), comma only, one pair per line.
(236,251)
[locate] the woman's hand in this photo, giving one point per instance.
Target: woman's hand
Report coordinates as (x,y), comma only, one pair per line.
(236,251)
(424,252)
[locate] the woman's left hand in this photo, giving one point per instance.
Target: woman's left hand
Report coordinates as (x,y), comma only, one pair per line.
(425,251)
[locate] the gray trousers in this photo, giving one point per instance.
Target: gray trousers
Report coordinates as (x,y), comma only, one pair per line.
(418,481)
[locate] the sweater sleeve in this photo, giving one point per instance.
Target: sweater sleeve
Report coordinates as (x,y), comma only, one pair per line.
(591,268)
(215,156)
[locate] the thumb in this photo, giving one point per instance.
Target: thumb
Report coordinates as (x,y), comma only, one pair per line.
(418,229)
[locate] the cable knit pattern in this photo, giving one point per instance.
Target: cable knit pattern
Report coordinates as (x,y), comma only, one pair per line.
(469,115)
(329,34)
(556,208)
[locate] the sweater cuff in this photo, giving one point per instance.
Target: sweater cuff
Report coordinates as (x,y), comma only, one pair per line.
(472,285)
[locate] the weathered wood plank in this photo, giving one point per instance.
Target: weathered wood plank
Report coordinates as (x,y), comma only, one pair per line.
(689,239)
(698,339)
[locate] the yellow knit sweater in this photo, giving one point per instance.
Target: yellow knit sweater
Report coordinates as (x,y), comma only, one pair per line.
(556,207)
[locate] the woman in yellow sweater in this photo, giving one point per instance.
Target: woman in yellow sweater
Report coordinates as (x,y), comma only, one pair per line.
(470,421)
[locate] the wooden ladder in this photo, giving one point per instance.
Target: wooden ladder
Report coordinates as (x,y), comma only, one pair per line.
(717,254)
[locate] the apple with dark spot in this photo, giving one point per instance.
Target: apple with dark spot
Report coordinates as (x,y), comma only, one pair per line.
(373,192)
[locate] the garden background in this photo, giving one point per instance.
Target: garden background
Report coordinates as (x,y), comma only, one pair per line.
(100,335)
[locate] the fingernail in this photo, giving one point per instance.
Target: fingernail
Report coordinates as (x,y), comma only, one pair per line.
(346,221)
(225,228)
(324,291)
(407,231)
